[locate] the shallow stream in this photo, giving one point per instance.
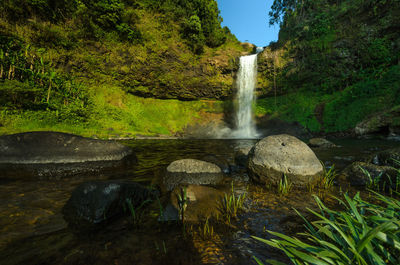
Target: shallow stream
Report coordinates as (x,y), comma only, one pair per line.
(33,231)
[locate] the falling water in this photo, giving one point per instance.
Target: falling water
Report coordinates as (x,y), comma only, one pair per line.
(246,82)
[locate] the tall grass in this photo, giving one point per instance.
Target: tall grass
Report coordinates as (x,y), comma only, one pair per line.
(362,234)
(231,205)
(284,186)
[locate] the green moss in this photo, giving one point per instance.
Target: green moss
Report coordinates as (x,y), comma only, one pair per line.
(114,113)
(343,109)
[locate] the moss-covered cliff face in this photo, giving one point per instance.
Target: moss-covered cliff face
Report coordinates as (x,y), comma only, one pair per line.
(85,66)
(336,62)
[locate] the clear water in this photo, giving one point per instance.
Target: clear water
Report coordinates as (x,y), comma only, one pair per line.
(33,231)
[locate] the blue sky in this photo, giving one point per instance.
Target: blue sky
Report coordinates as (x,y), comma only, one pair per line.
(248,20)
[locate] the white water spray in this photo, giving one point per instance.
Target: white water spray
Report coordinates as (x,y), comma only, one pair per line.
(246,82)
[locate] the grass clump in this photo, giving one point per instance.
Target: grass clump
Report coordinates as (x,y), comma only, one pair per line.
(328,177)
(231,205)
(363,233)
(284,186)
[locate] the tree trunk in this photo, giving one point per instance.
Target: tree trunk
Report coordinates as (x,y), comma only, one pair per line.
(9,72)
(48,93)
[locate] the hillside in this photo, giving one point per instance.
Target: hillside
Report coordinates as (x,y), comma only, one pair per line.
(335,64)
(106,67)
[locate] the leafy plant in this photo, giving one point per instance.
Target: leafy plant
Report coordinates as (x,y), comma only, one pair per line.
(373,182)
(364,233)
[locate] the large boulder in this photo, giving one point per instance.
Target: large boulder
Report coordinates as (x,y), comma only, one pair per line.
(386,122)
(192,171)
(55,147)
(367,174)
(54,154)
(94,203)
(278,155)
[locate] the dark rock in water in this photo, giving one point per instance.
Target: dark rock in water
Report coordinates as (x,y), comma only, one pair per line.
(357,174)
(219,161)
(54,154)
(242,155)
(267,127)
(320,142)
(191,171)
(390,157)
(279,155)
(96,202)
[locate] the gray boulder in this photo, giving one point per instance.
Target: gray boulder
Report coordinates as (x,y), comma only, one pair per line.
(192,171)
(380,123)
(97,202)
(56,155)
(278,155)
(55,147)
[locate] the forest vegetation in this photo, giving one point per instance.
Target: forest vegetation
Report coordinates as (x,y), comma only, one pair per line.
(104,67)
(126,67)
(336,62)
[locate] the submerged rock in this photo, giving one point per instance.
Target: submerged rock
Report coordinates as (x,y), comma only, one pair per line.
(202,201)
(96,202)
(365,174)
(320,142)
(191,171)
(278,155)
(390,157)
(54,154)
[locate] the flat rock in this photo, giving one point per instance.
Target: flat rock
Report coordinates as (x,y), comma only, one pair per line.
(55,147)
(278,155)
(320,142)
(192,171)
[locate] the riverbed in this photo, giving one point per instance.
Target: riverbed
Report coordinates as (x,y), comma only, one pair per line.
(33,231)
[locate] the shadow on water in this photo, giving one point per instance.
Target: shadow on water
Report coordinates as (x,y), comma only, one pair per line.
(33,231)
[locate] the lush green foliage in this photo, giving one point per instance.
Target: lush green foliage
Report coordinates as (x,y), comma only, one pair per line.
(342,110)
(68,65)
(364,233)
(345,52)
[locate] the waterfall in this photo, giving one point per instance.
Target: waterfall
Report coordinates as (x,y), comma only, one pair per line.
(246,83)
